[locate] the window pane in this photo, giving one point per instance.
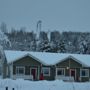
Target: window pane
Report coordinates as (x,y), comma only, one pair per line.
(84,72)
(20,70)
(46,71)
(60,71)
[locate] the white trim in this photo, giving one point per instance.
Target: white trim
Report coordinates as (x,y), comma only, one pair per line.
(11,70)
(84,70)
(60,69)
(73,70)
(43,71)
(18,67)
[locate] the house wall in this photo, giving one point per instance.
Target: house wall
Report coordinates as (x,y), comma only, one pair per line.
(29,62)
(52,73)
(84,79)
(69,64)
(3,65)
(10,70)
(5,70)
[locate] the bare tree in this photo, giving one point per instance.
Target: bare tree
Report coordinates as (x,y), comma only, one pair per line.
(3,27)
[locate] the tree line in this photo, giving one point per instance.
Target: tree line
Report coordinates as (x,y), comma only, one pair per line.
(64,42)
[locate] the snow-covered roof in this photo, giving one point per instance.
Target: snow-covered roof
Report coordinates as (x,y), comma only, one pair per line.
(47,58)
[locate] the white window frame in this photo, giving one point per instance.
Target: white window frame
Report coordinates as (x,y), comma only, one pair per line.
(48,71)
(18,67)
(60,69)
(84,70)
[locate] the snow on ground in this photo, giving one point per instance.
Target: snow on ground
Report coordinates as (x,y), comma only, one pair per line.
(42,85)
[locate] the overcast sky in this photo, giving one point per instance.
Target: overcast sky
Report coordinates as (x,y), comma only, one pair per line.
(62,15)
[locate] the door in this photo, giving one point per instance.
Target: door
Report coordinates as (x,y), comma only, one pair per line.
(73,73)
(33,72)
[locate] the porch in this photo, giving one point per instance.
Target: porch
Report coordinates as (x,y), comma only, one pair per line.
(66,74)
(26,77)
(65,78)
(25,72)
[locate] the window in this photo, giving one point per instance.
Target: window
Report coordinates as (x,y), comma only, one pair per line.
(84,73)
(60,71)
(46,71)
(20,70)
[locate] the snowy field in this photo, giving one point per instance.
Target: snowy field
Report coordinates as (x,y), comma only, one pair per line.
(42,85)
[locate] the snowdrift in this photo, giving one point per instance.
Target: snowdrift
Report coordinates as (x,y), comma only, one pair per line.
(42,85)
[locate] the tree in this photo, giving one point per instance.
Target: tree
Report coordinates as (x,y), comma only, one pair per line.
(43,42)
(4,41)
(61,47)
(3,27)
(23,30)
(2,54)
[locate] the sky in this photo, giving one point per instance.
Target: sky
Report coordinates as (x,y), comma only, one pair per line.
(62,15)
